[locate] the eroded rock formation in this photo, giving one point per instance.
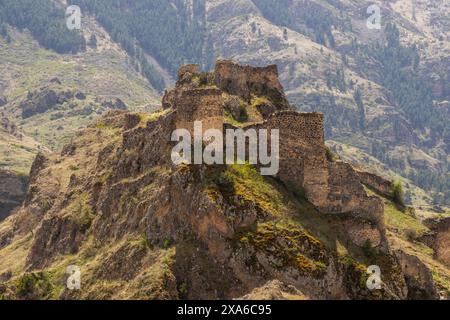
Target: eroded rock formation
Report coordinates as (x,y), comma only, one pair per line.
(12,192)
(439,238)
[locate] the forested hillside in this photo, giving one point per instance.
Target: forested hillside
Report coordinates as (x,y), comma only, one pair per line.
(46,22)
(173,33)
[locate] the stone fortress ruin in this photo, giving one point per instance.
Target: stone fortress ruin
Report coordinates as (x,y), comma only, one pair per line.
(332,186)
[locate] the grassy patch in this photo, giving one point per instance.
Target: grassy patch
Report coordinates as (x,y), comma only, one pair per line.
(152,117)
(81,212)
(402,222)
(252,186)
(289,245)
(35,286)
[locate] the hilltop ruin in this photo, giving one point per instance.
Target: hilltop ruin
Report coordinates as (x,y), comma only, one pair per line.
(333,187)
(142,227)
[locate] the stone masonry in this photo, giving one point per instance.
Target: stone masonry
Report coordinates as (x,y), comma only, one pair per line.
(246,80)
(200,104)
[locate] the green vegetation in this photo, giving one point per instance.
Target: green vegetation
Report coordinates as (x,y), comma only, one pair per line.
(331,157)
(145,241)
(251,186)
(336,79)
(46,22)
(397,193)
(151,117)
(167,243)
(162,29)
(369,250)
(183,288)
(290,245)
(403,223)
(81,212)
(357,95)
(318,21)
(93,41)
(34,286)
(411,93)
(4,32)
(243,114)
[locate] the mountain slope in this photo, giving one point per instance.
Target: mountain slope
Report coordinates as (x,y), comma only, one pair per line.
(140,227)
(71,90)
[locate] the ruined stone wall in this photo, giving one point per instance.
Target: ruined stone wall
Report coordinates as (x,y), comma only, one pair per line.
(340,198)
(332,187)
(439,238)
(204,105)
(347,194)
(189,68)
(245,80)
(146,147)
(303,163)
(375,182)
(419,278)
(301,127)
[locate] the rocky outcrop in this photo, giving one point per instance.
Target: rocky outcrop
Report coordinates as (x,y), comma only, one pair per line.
(9,127)
(438,238)
(42,100)
(275,290)
(3,101)
(13,188)
(377,183)
(333,187)
(111,103)
(244,81)
(418,278)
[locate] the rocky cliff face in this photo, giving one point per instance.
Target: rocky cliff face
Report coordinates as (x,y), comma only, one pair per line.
(12,192)
(439,238)
(113,203)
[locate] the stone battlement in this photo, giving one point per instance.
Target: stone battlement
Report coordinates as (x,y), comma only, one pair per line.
(302,126)
(189,68)
(244,80)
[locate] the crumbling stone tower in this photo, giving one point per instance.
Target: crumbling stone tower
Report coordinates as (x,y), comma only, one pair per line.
(246,80)
(200,104)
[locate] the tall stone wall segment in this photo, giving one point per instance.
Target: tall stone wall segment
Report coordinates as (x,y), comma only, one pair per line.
(205,105)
